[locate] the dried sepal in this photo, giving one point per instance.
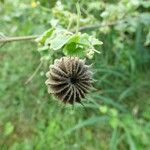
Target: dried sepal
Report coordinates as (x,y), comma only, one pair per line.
(69,79)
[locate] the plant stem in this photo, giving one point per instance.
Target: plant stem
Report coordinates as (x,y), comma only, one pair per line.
(19,38)
(31,37)
(78,18)
(96,26)
(34,73)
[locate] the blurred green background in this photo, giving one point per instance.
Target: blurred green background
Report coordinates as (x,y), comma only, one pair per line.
(116,115)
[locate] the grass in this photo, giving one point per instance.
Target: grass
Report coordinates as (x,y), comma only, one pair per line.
(30,119)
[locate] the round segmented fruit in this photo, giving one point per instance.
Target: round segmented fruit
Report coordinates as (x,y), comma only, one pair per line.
(69,79)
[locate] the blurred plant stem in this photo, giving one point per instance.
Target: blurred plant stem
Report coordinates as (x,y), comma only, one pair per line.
(34,73)
(31,37)
(19,38)
(79,15)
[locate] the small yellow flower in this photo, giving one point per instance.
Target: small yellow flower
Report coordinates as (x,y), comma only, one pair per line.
(34,4)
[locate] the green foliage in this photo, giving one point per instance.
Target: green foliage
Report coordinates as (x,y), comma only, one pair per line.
(81,45)
(8,128)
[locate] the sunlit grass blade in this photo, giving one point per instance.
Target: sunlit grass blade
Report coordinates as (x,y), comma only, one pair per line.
(88,122)
(114,140)
(111,102)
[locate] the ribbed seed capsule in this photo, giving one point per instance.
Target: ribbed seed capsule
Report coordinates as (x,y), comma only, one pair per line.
(69,79)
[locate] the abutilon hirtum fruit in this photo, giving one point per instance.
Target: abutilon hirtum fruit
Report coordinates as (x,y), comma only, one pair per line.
(69,79)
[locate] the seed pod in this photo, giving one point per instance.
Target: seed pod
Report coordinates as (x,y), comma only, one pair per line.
(69,79)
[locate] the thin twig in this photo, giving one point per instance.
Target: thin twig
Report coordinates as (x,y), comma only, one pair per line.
(19,38)
(34,73)
(96,26)
(78,18)
(32,37)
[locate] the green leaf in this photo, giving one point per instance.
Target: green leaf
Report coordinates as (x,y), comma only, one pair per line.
(84,39)
(60,40)
(73,49)
(77,44)
(69,48)
(95,41)
(9,128)
(75,38)
(89,40)
(43,48)
(45,36)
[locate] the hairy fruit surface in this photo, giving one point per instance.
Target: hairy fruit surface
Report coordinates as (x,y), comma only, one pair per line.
(69,79)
